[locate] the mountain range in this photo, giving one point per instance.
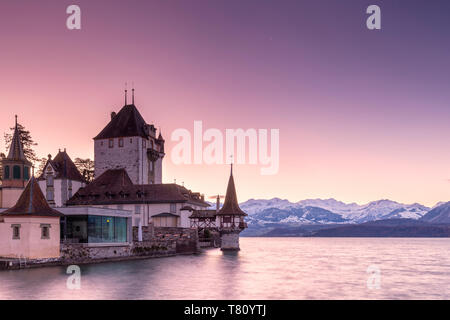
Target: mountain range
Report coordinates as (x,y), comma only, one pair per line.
(266,215)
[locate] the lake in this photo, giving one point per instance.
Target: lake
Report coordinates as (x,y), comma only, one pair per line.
(265,268)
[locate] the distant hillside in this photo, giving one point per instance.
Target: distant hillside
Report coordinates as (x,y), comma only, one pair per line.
(387,228)
(440,214)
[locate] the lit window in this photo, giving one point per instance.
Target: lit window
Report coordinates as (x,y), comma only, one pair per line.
(111,143)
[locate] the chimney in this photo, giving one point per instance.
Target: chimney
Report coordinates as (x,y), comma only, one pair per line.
(113,114)
(218,203)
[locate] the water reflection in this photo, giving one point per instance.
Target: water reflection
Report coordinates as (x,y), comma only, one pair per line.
(273,268)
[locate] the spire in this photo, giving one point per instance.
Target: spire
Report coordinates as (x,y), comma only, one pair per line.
(132,90)
(16,149)
(231,205)
(32,202)
(126,93)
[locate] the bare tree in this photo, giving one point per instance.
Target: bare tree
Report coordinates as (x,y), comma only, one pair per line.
(86,167)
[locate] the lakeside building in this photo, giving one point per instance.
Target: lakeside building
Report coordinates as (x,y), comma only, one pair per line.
(128,175)
(99,216)
(16,172)
(159,204)
(31,228)
(60,179)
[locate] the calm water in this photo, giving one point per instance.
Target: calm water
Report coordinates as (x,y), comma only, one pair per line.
(265,268)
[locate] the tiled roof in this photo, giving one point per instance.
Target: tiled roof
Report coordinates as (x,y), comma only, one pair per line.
(64,167)
(127,123)
(32,203)
(231,205)
(115,187)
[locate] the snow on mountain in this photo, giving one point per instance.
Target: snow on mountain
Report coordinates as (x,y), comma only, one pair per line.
(253,206)
(313,211)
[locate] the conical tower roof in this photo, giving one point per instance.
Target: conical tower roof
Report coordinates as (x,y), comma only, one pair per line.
(231,205)
(16,149)
(32,203)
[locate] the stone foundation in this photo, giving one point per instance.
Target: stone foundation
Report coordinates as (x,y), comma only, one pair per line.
(230,241)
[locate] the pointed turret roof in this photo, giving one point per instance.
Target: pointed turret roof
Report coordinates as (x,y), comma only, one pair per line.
(231,205)
(16,149)
(127,123)
(32,203)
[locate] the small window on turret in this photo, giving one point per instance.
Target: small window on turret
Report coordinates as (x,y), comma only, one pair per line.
(6,172)
(16,172)
(26,173)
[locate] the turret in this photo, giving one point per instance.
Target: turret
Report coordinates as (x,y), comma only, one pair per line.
(16,170)
(231,218)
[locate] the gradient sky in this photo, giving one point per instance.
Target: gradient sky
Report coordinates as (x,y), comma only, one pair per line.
(363,115)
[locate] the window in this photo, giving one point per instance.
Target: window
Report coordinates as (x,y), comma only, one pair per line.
(173,208)
(151,144)
(50,181)
(45,231)
(16,231)
(26,173)
(137,209)
(144,143)
(111,143)
(101,143)
(16,172)
(121,143)
(131,141)
(6,172)
(50,195)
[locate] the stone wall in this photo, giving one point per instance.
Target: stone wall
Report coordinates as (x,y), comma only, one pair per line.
(156,242)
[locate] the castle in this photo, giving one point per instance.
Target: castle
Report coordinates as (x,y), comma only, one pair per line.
(127,192)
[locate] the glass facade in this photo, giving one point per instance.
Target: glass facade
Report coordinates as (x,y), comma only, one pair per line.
(95,229)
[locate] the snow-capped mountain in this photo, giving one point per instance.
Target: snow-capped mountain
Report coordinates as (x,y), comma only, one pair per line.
(318,211)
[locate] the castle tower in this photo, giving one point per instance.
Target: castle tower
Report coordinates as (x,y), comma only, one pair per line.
(130,143)
(16,171)
(231,218)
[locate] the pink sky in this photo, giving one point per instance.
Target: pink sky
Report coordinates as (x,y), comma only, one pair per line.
(362,116)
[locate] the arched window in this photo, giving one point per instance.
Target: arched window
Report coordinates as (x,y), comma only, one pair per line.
(6,172)
(26,173)
(16,172)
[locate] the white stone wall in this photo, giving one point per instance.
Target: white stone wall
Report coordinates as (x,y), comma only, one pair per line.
(58,186)
(132,157)
(230,241)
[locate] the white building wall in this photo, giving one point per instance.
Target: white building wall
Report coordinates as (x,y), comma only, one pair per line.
(132,157)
